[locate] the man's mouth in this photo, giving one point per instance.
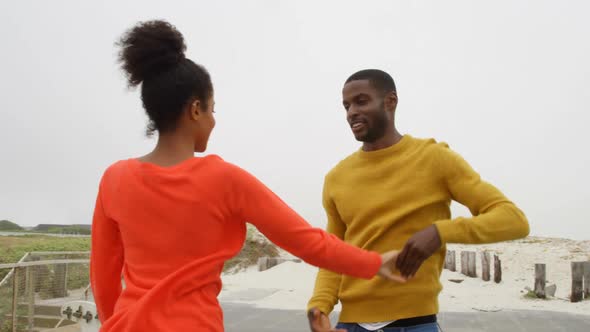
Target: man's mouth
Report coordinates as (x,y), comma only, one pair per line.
(357,126)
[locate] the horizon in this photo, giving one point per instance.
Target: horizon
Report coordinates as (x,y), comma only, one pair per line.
(517,240)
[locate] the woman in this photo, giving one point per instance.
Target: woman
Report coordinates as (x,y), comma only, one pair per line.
(168,221)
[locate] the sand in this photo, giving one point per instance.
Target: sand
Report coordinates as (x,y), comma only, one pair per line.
(289,285)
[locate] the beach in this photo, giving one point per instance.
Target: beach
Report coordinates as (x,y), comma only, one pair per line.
(289,285)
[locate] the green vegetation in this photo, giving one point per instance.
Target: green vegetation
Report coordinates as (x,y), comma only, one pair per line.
(48,276)
(63,229)
(14,247)
(9,226)
(255,246)
(531,295)
(68,230)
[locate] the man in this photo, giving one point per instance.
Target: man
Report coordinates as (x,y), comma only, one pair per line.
(397,190)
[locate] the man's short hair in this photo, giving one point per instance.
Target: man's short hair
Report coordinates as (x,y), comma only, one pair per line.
(379,79)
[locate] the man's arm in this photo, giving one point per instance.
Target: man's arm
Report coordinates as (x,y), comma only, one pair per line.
(495,218)
(325,294)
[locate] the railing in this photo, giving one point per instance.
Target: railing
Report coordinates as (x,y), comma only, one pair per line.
(5,279)
(35,287)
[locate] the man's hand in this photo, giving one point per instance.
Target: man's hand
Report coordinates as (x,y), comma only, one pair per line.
(418,248)
(319,322)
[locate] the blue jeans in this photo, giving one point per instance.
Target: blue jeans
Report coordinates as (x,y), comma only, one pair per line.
(352,327)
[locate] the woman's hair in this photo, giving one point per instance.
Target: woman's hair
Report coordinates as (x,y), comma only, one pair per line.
(152,54)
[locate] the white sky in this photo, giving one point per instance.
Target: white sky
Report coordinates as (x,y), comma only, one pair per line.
(505,83)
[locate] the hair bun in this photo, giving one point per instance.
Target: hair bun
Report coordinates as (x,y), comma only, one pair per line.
(150,48)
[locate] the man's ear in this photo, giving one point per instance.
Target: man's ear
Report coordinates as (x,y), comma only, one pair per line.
(391,101)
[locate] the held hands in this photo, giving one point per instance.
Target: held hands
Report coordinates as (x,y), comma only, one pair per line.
(388,265)
(418,248)
(319,322)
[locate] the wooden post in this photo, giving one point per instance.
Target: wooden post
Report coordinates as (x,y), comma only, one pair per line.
(540,281)
(453,261)
(262,263)
(485,266)
(577,281)
(272,261)
(587,280)
(471,272)
(464,262)
(450,261)
(15,276)
(497,269)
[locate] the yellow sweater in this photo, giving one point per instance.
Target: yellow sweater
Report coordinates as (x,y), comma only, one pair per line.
(376,200)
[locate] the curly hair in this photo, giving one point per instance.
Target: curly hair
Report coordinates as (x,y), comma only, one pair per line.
(152,54)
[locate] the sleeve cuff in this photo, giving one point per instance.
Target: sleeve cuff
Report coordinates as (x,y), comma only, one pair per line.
(447,230)
(324,308)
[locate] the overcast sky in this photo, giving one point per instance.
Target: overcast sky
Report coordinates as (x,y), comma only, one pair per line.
(505,83)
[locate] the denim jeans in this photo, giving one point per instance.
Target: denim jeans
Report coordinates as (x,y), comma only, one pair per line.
(352,327)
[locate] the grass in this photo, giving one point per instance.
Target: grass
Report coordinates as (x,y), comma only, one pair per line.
(531,295)
(255,246)
(14,247)
(66,230)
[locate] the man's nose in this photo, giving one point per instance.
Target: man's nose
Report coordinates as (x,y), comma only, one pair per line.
(351,113)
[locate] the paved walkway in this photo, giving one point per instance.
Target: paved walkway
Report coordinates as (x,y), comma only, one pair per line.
(244,318)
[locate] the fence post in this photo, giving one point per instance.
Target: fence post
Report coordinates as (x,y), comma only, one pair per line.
(66,269)
(540,280)
(497,269)
(464,263)
(577,281)
(587,280)
(450,261)
(471,267)
(453,261)
(262,263)
(14,297)
(485,266)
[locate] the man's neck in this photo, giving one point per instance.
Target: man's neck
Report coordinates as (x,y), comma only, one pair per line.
(384,142)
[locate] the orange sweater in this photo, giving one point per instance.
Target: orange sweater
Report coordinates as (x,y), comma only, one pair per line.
(168,232)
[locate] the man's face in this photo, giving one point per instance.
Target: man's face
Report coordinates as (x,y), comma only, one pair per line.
(365,111)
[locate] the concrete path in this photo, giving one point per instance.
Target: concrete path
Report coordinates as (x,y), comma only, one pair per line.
(244,318)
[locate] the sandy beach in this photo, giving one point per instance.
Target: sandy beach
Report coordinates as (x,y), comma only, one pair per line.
(289,285)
